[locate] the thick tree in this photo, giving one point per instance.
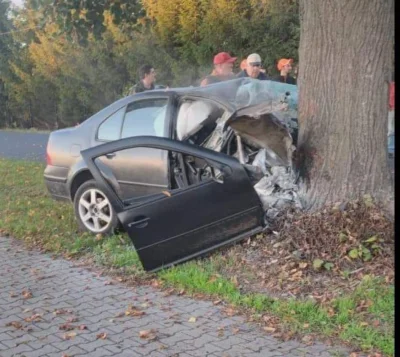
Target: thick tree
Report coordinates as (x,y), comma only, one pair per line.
(345,59)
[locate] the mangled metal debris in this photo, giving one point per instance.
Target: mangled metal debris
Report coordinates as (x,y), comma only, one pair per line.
(262,133)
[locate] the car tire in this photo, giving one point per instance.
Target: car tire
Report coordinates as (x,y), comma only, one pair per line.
(94,211)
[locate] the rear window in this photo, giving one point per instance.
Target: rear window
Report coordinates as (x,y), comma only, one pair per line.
(110,129)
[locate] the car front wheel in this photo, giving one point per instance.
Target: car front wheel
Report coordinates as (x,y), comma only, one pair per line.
(93,210)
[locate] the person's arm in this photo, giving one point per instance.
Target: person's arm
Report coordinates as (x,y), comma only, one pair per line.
(204,82)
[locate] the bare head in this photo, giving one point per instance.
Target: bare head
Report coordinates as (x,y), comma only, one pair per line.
(147,75)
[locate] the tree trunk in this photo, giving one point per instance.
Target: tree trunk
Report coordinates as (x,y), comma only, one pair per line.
(345,60)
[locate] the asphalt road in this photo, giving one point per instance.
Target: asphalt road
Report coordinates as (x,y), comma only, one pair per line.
(23,146)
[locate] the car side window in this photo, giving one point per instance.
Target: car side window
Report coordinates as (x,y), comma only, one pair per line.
(110,129)
(145,117)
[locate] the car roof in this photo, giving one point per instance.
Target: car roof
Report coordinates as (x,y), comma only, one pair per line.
(236,93)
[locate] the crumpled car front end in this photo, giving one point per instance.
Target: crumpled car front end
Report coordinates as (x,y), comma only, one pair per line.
(261,134)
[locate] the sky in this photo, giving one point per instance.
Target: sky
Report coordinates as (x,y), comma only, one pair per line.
(17,2)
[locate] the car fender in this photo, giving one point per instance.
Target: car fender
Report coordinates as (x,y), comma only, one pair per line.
(80,167)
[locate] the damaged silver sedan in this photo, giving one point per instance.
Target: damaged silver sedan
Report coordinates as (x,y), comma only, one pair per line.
(184,171)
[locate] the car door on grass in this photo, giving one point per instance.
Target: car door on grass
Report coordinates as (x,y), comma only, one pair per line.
(209,208)
(142,171)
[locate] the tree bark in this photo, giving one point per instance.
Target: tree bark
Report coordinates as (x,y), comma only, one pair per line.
(345,60)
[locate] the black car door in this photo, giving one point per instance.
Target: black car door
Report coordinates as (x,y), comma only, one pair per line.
(176,225)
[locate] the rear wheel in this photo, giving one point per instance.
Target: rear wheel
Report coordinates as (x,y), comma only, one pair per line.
(93,210)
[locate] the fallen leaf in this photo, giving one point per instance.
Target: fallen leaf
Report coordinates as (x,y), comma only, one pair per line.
(306,325)
(66,327)
(35,317)
(82,327)
(269,329)
(148,334)
(166,193)
(101,335)
(27,294)
(303,265)
(13,294)
(59,312)
(181,292)
(192,319)
(69,335)
(235,330)
(64,355)
(99,236)
(120,314)
(229,311)
(15,324)
(376,323)
(307,339)
(156,283)
(72,319)
(317,263)
(132,311)
(108,283)
(217,302)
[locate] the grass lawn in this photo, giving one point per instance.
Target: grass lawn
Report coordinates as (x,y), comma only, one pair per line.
(362,317)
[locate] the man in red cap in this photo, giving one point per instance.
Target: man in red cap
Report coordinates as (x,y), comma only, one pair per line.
(223,66)
(285,67)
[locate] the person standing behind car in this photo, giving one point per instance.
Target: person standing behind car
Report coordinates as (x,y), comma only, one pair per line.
(253,68)
(285,67)
(223,66)
(147,76)
(391,120)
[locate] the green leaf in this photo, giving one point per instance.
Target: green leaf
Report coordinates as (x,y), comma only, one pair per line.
(366,254)
(368,200)
(317,263)
(353,254)
(342,237)
(367,257)
(328,266)
(372,239)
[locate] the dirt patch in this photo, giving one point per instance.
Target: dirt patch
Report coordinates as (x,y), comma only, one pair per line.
(315,255)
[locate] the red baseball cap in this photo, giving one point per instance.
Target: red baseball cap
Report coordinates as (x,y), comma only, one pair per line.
(223,57)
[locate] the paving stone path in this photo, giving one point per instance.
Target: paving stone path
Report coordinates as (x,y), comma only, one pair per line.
(41,297)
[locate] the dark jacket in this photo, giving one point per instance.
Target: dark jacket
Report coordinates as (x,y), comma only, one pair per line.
(262,76)
(139,87)
(288,79)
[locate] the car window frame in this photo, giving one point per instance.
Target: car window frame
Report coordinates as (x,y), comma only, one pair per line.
(168,101)
(169,114)
(103,121)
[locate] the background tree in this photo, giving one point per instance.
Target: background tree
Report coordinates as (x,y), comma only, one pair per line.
(67,59)
(345,67)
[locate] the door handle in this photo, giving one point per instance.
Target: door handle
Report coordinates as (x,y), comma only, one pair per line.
(110,155)
(140,223)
